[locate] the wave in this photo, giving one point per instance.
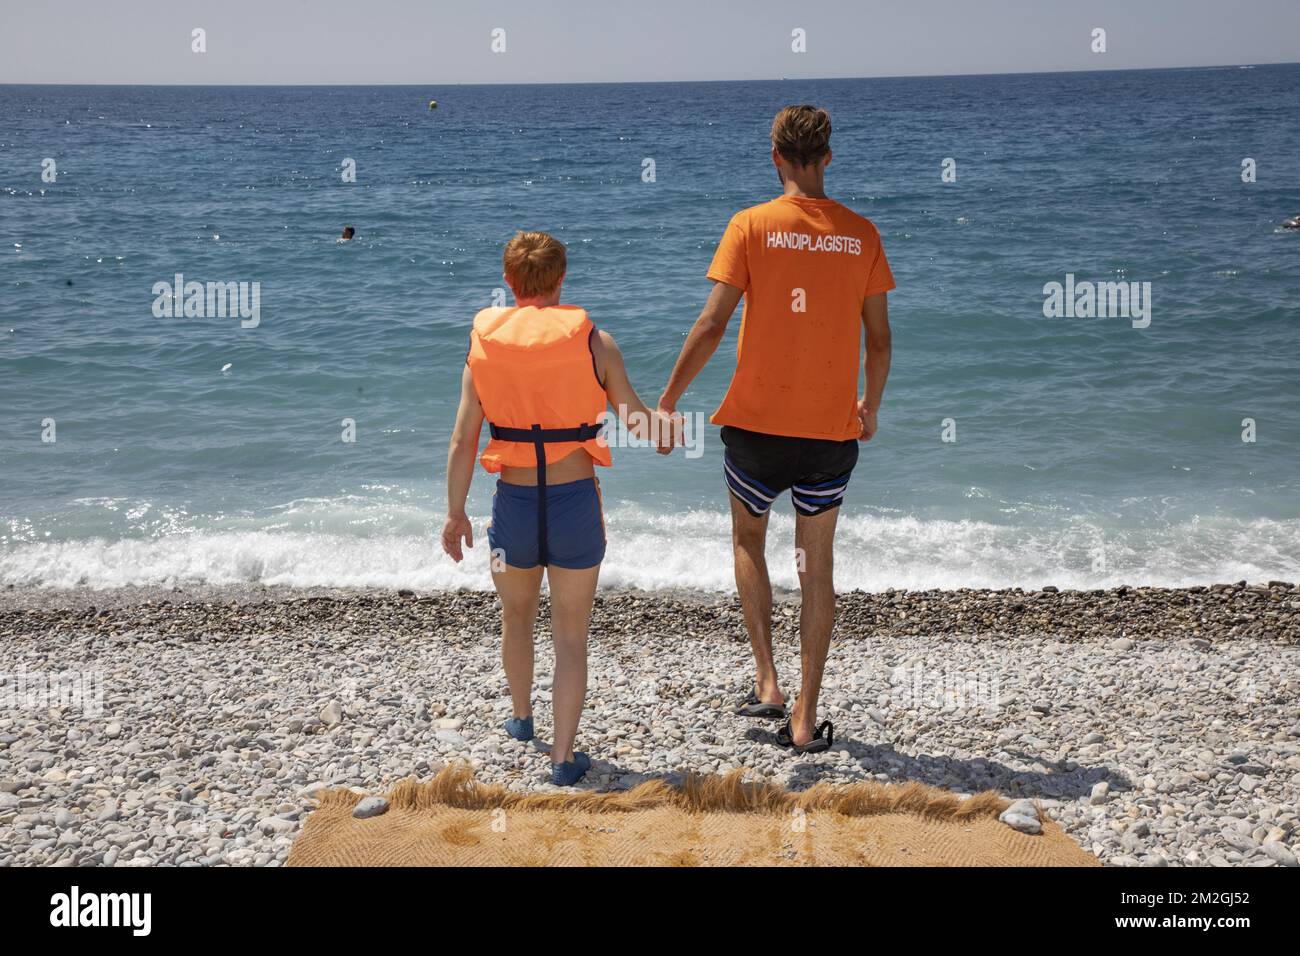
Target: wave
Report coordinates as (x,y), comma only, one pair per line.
(692,550)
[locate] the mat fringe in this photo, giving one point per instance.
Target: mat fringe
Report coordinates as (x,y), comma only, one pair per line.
(455,786)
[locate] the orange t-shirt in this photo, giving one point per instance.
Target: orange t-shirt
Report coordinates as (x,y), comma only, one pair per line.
(806,266)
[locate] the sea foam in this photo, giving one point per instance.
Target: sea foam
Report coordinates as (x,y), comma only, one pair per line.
(692,550)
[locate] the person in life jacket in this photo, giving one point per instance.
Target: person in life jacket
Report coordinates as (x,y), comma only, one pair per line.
(542,375)
(815,281)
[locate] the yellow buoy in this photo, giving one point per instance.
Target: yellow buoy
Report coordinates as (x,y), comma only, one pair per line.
(433,104)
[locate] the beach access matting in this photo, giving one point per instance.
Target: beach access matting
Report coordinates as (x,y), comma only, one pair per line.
(452,820)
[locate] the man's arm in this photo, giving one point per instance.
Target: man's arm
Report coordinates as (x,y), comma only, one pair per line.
(875,317)
(701,343)
(460,468)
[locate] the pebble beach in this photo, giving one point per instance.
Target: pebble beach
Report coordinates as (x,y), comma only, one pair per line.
(1158,727)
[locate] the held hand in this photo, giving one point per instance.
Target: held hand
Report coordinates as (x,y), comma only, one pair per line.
(456,529)
(667,430)
(867,416)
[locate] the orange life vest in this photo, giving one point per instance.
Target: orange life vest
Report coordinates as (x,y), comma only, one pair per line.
(535,376)
(534,371)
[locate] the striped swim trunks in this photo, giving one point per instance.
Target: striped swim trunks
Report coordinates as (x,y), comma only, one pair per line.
(760,467)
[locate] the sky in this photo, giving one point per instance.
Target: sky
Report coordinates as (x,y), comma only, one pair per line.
(561,41)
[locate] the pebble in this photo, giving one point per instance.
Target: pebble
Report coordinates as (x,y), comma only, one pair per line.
(276,825)
(370,807)
(331,714)
(1022,815)
(1280,853)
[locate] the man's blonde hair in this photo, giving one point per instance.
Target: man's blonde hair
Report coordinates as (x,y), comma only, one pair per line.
(534,264)
(802,134)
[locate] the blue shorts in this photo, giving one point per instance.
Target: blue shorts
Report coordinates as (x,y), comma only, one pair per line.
(575,525)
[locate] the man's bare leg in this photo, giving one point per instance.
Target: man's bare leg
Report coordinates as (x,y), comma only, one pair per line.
(748,540)
(814,536)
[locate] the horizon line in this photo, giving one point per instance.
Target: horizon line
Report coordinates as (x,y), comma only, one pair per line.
(781,79)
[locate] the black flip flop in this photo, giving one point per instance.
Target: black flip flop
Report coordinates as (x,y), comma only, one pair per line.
(822,739)
(751,706)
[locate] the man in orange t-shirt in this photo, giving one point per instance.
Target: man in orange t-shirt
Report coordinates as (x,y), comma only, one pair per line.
(814,277)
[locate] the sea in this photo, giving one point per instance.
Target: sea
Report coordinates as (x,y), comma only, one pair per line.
(1021,444)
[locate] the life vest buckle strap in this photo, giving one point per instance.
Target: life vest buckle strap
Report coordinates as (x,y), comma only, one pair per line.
(537,434)
(539,446)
